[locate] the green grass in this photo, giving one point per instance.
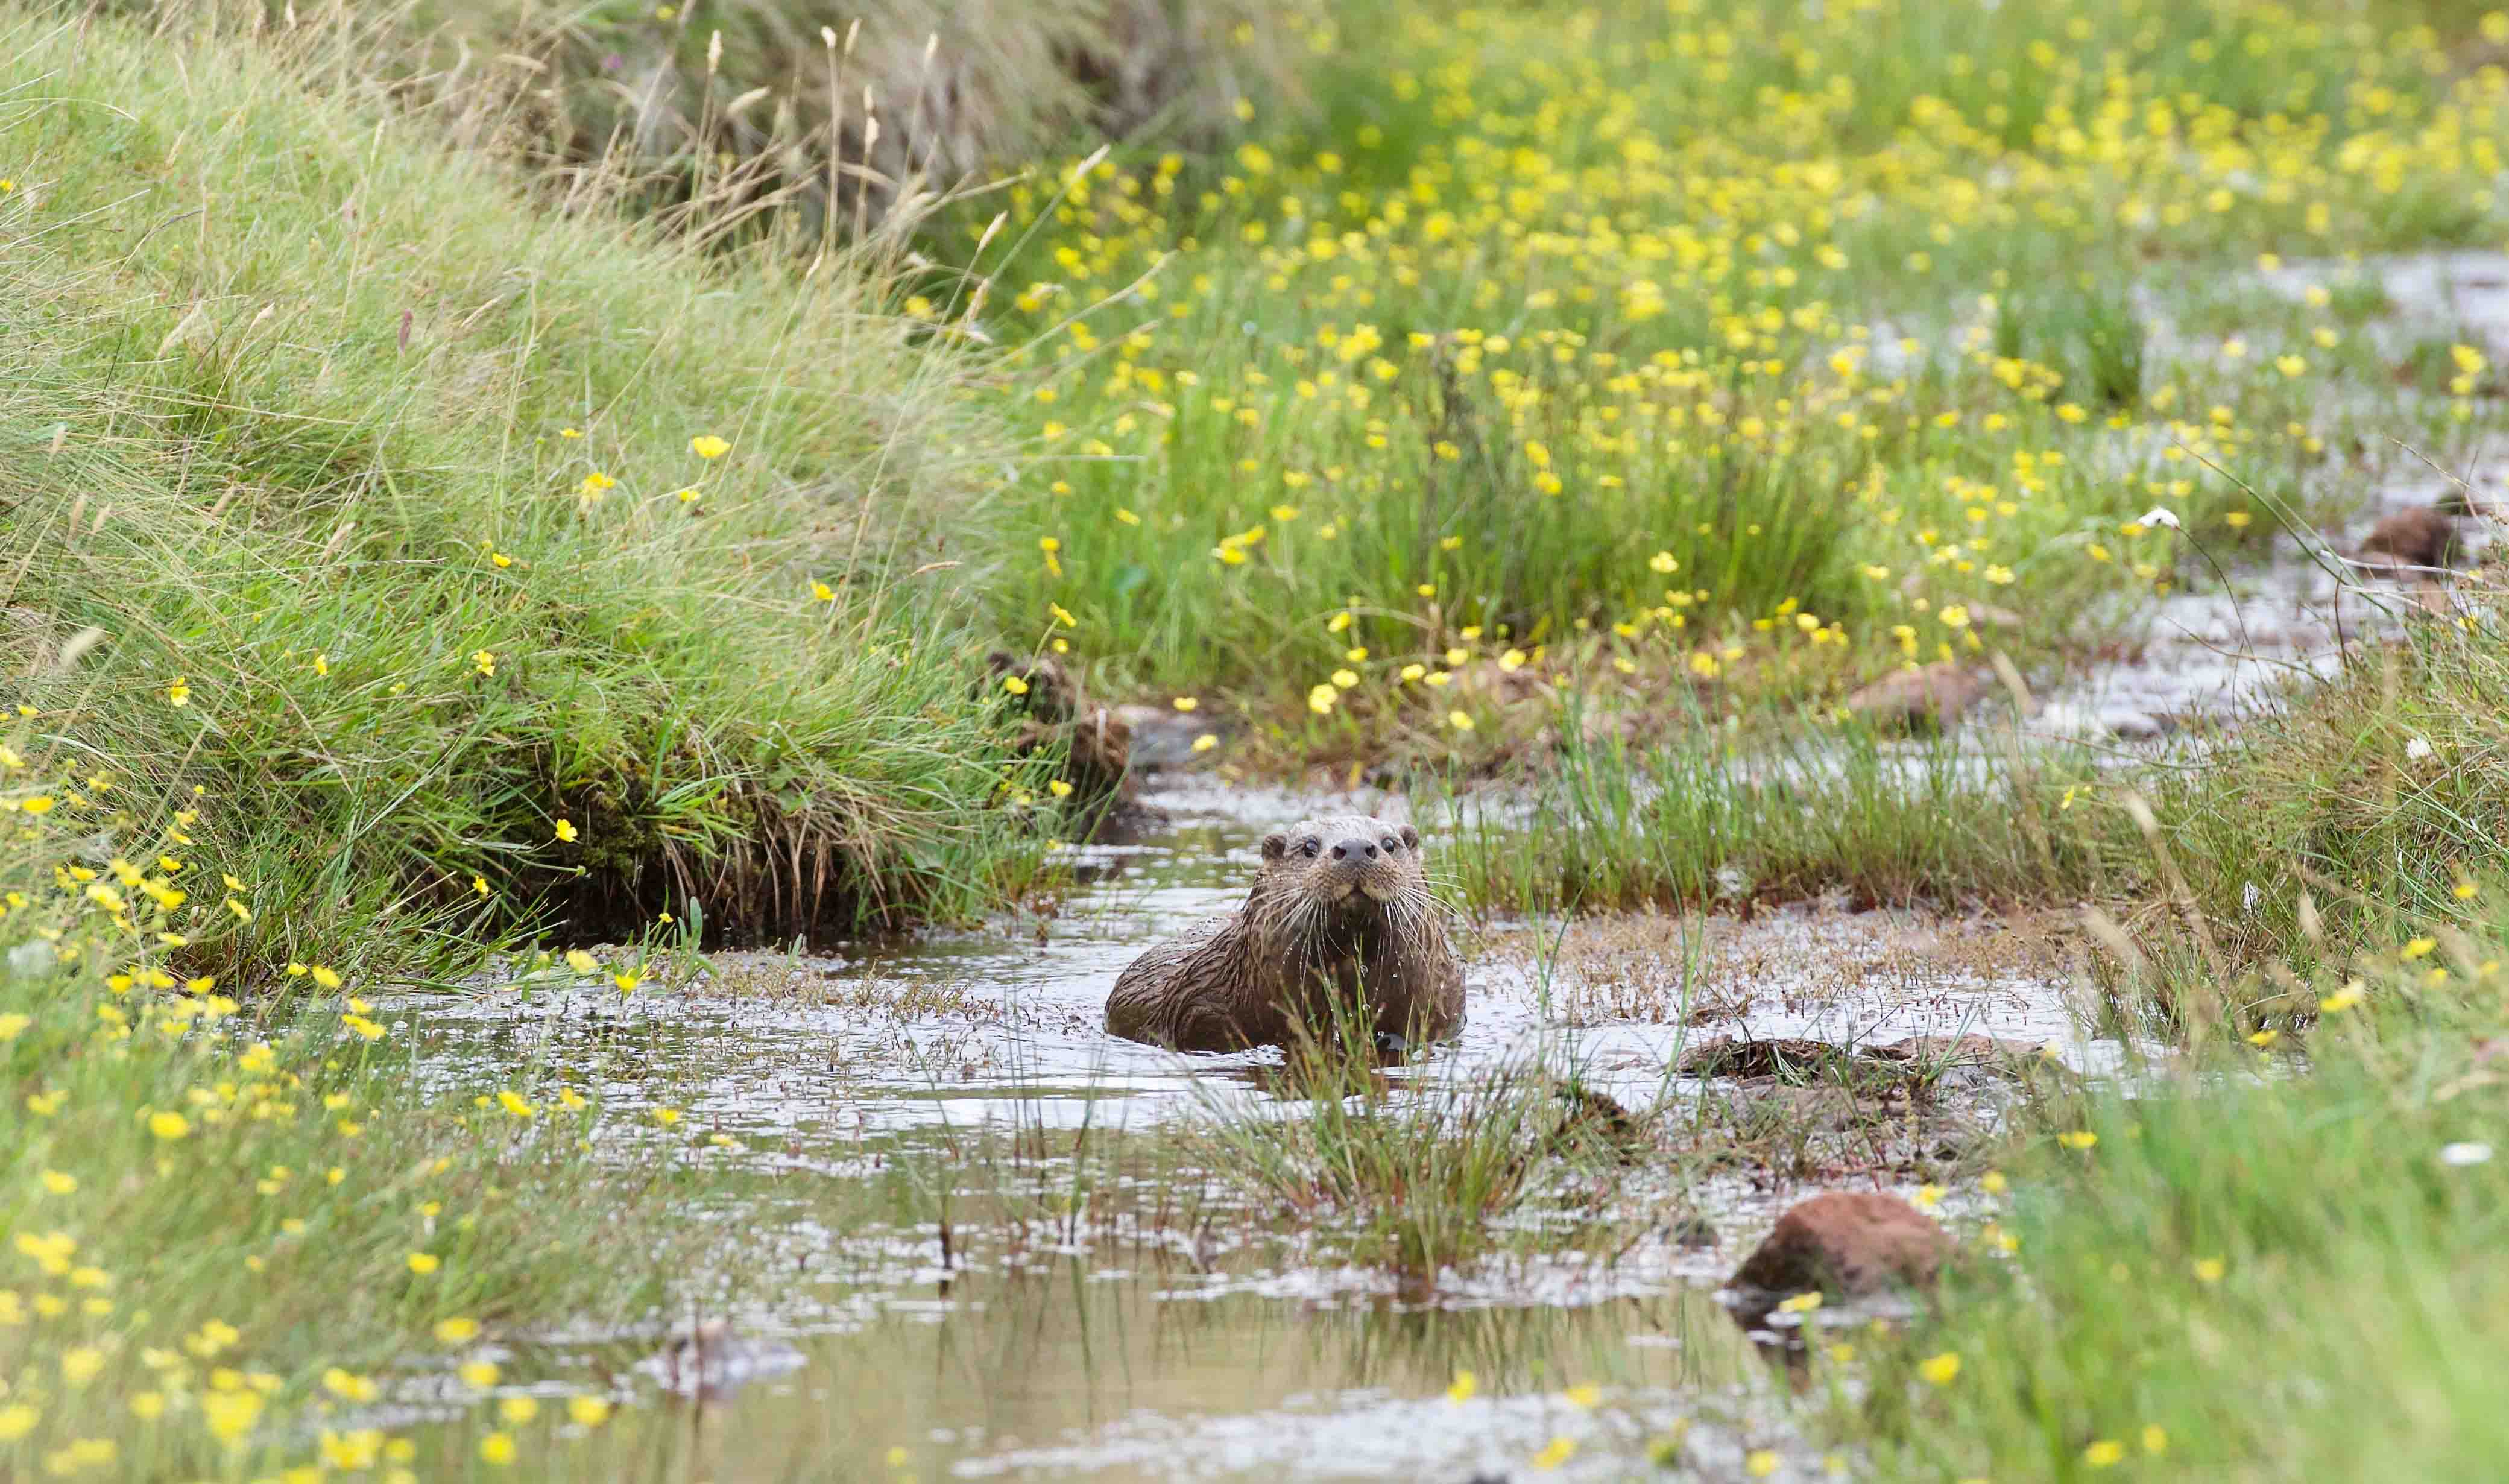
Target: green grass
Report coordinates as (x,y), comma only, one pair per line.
(2379,799)
(2281,1277)
(380,488)
(228,1219)
(1417,1177)
(1801,808)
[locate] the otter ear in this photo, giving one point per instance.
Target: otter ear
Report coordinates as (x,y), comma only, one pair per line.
(1410,839)
(1275,846)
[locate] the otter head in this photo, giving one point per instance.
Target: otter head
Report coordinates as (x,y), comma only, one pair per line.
(1331,877)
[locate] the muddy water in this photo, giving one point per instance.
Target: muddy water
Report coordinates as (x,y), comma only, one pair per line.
(1125,1321)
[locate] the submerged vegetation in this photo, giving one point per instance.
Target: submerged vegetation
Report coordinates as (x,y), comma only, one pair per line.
(484,486)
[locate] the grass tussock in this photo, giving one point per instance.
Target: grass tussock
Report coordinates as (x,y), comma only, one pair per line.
(821,121)
(1810,809)
(2203,1262)
(2373,804)
(447,561)
(1436,1173)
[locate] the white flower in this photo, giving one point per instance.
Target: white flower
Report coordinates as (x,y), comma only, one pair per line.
(2458,1156)
(2418,750)
(2158,515)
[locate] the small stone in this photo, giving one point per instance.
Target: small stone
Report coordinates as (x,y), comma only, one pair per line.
(1846,1242)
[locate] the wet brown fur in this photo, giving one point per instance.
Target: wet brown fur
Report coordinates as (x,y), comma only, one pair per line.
(1304,944)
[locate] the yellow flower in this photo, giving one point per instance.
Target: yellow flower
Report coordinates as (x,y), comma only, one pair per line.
(1940,1370)
(484,662)
(1462,1387)
(455,1331)
(2104,1452)
(60,1184)
(1184,703)
(2341,1000)
(1993,1183)
(353,1387)
(1205,743)
(587,1411)
(1460,720)
(1760,1462)
(478,1375)
(1014,685)
(423,1263)
(2418,948)
(169,1125)
(1586,1396)
(2260,1039)
(1059,789)
(517,1409)
(1559,1451)
(498,1449)
(708,446)
(230,1414)
(514,1103)
(823,592)
(1928,1197)
(1801,1303)
(2155,1439)
(566,830)
(179,693)
(1663,562)
(2078,1139)
(479,884)
(666,1116)
(80,1363)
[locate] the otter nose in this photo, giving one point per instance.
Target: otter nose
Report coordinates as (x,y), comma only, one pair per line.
(1355,851)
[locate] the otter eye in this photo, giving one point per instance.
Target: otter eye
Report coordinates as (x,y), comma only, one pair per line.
(1309,849)
(1391,844)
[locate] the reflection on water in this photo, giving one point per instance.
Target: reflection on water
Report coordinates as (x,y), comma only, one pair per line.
(1071,1369)
(912,1138)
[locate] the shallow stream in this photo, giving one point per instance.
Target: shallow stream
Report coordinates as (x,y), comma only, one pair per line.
(1119,1320)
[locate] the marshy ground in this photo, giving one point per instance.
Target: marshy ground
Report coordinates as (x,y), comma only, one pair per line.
(940,1170)
(1864,536)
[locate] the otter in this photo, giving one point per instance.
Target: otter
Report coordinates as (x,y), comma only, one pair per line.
(1340,915)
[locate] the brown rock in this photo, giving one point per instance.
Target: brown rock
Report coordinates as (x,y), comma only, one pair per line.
(1927,698)
(2424,535)
(1846,1242)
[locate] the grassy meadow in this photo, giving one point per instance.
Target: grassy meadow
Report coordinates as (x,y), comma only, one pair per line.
(469,519)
